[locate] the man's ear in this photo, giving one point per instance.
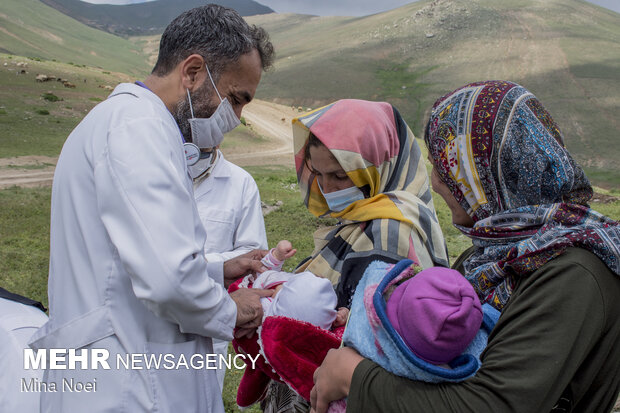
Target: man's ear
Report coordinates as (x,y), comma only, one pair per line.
(192,71)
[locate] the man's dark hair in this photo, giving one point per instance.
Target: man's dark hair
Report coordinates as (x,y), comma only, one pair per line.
(219,34)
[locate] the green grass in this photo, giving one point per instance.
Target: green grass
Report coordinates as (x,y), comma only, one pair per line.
(38,116)
(30,28)
(229,394)
(292,221)
(24,241)
(399,83)
(24,237)
(609,179)
(241,139)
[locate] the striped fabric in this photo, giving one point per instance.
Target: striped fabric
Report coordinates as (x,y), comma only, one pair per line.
(379,153)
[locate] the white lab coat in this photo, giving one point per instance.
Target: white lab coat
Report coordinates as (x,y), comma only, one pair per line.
(229,205)
(18,322)
(127,272)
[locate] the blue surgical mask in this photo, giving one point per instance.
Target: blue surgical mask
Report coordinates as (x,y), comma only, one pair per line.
(338,200)
(209,132)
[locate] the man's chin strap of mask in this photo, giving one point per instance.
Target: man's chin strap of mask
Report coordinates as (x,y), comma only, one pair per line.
(208,133)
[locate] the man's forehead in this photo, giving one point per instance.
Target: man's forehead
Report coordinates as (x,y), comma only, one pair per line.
(242,76)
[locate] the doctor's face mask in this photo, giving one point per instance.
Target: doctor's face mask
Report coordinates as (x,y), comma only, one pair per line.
(209,132)
(205,132)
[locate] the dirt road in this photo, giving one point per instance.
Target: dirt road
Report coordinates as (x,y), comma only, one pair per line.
(271,120)
(27,171)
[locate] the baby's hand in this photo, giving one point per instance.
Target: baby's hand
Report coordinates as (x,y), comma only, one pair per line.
(341,317)
(283,250)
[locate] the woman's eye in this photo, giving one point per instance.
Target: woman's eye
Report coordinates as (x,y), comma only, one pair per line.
(342,177)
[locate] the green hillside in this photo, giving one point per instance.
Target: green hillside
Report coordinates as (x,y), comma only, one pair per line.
(36,117)
(143,18)
(567,52)
(30,28)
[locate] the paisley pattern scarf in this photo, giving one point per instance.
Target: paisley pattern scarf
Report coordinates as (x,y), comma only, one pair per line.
(503,158)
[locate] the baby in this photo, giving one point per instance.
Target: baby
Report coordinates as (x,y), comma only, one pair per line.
(302,296)
(421,328)
(429,328)
(437,314)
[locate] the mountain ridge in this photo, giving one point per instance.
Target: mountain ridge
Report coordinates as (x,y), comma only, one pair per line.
(142,18)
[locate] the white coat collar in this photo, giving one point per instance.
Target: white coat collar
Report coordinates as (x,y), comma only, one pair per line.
(139,92)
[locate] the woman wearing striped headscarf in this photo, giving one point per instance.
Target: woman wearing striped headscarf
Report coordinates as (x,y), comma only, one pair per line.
(358,161)
(543,258)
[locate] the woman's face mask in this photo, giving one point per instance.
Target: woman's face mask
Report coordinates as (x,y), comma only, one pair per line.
(339,200)
(209,132)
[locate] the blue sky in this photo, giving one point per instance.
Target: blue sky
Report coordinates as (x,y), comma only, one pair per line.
(340,7)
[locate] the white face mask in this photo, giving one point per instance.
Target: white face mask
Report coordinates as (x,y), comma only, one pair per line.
(339,200)
(209,132)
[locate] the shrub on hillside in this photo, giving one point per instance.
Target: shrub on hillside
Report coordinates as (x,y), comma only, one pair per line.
(50,97)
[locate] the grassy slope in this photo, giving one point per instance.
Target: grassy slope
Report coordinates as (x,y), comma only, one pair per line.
(23,130)
(24,240)
(567,52)
(30,28)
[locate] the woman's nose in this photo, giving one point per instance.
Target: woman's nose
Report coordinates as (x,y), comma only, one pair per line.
(328,185)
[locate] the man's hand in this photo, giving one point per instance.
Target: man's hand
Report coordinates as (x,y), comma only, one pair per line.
(243,265)
(249,309)
(332,379)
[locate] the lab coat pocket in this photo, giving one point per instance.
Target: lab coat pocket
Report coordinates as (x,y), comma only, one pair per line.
(179,378)
(220,228)
(77,333)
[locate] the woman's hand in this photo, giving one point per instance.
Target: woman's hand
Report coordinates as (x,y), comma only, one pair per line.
(332,379)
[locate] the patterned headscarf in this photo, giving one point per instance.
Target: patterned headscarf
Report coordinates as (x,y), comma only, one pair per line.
(503,158)
(379,153)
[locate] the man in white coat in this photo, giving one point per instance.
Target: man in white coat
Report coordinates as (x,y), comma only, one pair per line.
(128,281)
(20,318)
(229,206)
(230,209)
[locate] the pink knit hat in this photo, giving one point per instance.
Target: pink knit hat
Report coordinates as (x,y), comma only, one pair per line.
(437,313)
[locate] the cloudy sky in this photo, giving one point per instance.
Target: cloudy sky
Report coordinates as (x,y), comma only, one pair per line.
(340,7)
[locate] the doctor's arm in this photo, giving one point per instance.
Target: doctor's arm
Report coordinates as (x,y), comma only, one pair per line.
(147,207)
